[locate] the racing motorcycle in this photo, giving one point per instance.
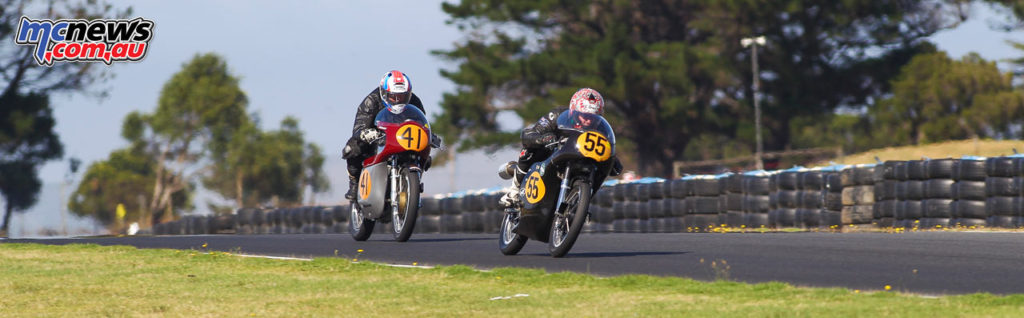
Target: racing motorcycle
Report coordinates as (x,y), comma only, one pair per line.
(555,194)
(389,187)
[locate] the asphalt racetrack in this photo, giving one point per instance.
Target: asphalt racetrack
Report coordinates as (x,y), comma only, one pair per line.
(931,263)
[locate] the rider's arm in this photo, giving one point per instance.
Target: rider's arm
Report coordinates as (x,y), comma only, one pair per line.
(415,101)
(541,133)
(365,113)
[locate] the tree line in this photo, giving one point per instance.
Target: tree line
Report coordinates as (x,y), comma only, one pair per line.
(677,81)
(201,134)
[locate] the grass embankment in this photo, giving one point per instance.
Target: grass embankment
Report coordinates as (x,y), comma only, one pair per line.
(90,280)
(948,149)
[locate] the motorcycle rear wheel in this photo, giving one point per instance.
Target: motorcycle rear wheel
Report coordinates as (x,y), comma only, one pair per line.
(510,242)
(359,226)
(566,227)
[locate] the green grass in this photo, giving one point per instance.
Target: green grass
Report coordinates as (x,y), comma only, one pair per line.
(91,280)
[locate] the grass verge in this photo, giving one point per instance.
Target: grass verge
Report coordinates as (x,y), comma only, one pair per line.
(92,280)
(947,149)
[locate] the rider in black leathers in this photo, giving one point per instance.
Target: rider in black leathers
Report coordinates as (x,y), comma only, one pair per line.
(395,88)
(540,138)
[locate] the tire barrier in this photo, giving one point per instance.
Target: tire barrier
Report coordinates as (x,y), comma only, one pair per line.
(969,192)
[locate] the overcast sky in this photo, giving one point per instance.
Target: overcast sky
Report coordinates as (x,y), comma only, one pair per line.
(314,60)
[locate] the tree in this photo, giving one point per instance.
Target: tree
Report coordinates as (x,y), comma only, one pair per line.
(123,178)
(199,110)
(675,70)
(267,167)
(936,98)
(27,139)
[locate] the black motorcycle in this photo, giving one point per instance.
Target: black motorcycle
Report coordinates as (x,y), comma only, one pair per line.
(555,194)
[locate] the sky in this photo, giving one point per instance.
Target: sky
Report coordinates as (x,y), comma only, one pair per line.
(316,61)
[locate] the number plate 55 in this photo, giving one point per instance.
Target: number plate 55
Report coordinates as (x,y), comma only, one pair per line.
(594,145)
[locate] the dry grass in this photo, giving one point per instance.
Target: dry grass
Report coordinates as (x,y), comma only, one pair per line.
(948,149)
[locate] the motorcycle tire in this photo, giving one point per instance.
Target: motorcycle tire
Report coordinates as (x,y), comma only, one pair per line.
(404,225)
(359,226)
(565,231)
(510,242)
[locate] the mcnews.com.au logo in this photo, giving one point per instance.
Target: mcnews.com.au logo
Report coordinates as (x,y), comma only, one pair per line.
(100,40)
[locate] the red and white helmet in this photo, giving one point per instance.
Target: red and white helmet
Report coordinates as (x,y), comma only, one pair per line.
(395,88)
(587,100)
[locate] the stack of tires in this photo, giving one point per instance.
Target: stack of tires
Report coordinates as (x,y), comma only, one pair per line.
(495,212)
(757,190)
(968,209)
(731,201)
(656,218)
(473,213)
(832,211)
(676,208)
(618,207)
(1004,188)
(937,212)
(784,199)
(640,194)
(909,195)
(326,219)
(429,219)
(629,213)
(451,217)
(858,194)
(811,201)
(340,214)
(702,207)
(243,220)
(969,190)
(890,191)
(601,211)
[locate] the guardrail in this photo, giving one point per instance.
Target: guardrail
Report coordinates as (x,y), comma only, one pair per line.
(970,192)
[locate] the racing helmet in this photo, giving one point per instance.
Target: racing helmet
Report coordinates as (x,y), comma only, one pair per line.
(395,88)
(587,100)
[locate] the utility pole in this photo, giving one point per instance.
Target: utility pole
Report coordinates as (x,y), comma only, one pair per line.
(755,41)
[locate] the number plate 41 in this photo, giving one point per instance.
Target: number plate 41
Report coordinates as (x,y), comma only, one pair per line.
(412,137)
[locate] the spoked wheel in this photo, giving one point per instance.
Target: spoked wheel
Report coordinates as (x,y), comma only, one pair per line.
(566,226)
(404,212)
(360,227)
(509,242)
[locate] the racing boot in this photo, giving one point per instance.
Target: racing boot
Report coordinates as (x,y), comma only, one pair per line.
(511,197)
(352,186)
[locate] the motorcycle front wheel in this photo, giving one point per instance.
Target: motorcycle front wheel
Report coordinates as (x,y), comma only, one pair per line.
(405,211)
(509,242)
(360,227)
(566,226)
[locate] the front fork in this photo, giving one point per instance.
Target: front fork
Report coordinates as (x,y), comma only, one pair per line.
(394,179)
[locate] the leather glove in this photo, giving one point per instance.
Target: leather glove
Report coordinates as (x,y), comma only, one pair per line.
(370,135)
(435,141)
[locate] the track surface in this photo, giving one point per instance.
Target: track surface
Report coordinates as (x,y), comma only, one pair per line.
(945,262)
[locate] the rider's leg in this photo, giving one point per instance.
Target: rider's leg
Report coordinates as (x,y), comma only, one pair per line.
(355,167)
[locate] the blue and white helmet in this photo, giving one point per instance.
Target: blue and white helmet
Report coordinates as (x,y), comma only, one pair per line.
(395,88)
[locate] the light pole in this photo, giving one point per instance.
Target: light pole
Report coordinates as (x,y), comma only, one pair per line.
(755,41)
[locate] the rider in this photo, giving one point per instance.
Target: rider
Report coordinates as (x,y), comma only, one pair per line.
(395,88)
(540,136)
